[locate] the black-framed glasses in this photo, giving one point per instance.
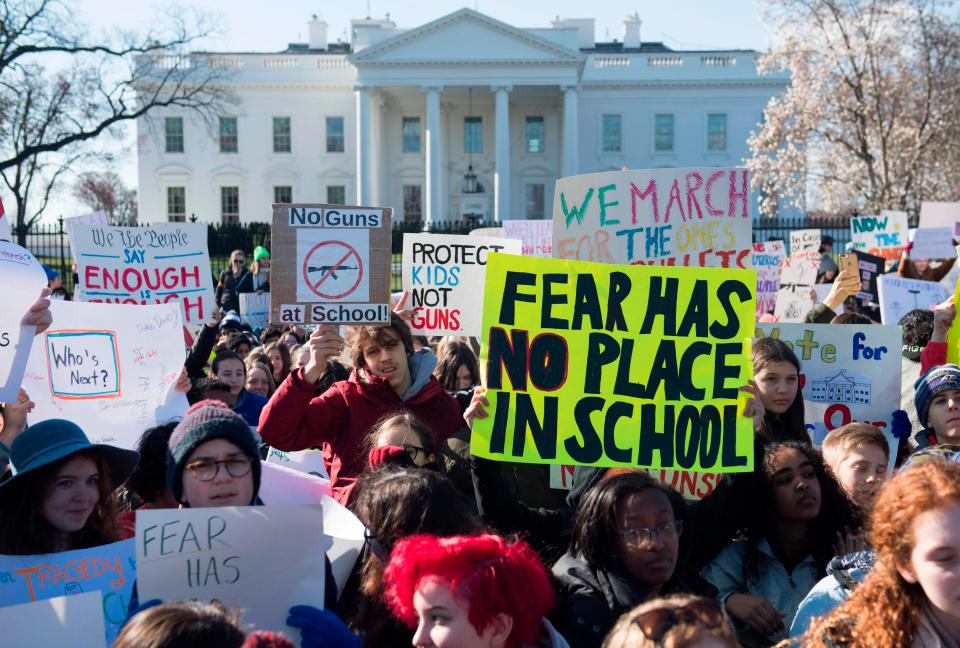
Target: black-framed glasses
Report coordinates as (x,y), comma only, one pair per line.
(654,624)
(206,470)
(414,451)
(639,535)
(240,261)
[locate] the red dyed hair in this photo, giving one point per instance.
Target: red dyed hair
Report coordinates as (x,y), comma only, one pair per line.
(486,572)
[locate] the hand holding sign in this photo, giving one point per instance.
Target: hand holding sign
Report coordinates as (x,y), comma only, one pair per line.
(23,279)
(943,316)
(39,314)
(324,343)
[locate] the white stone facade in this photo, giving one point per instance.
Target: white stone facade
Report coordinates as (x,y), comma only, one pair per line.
(591,98)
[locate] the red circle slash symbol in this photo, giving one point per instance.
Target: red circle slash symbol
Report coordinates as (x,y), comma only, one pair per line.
(332,260)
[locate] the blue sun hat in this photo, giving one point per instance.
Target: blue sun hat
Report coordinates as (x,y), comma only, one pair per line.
(52,440)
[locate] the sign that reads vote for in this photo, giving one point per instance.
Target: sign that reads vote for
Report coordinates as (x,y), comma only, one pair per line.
(684,217)
(884,235)
(158,264)
(218,553)
(536,235)
(602,365)
(331,264)
(767,259)
(22,279)
(899,296)
(444,274)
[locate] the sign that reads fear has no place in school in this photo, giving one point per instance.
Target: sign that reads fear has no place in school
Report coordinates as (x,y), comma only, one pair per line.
(331,264)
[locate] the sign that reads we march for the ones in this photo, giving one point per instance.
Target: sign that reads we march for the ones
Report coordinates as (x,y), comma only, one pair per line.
(683,217)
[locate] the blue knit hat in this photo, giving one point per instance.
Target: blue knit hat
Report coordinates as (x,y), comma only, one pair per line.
(938,379)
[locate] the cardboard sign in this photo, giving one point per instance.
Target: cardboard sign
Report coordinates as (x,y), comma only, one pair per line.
(75,621)
(109,368)
(536,235)
(158,264)
(255,309)
(797,278)
(933,243)
(331,264)
(684,217)
(23,279)
(805,244)
(601,365)
(940,214)
(767,258)
(883,235)
(444,274)
(899,296)
(108,570)
(870,267)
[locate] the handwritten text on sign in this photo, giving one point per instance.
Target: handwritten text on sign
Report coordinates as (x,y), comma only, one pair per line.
(684,217)
(767,259)
(599,365)
(83,364)
(536,235)
(883,235)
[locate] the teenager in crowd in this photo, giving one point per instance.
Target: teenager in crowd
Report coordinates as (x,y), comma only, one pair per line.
(178,625)
(228,367)
(677,621)
(937,401)
(233,280)
(279,356)
(240,344)
(776,372)
(909,598)
(387,377)
(402,433)
(259,380)
(260,271)
(147,484)
(61,495)
(858,454)
(290,339)
(209,389)
(457,367)
(920,268)
(798,512)
(917,326)
(479,591)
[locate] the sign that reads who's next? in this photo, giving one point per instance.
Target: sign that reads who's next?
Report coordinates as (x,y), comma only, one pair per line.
(331,264)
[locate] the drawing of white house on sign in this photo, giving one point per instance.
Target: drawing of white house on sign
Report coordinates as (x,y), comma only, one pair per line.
(840,388)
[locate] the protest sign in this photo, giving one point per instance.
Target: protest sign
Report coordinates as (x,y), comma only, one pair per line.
(488,231)
(96,219)
(602,365)
(536,235)
(331,264)
(109,368)
(870,267)
(444,275)
(158,264)
(953,333)
(255,309)
(767,258)
(940,214)
(308,461)
(932,243)
(692,486)
(107,569)
(218,553)
(284,485)
(883,235)
(685,217)
(899,296)
(797,278)
(805,244)
(75,621)
(23,281)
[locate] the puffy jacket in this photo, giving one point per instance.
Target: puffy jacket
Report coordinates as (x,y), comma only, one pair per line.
(340,418)
(843,574)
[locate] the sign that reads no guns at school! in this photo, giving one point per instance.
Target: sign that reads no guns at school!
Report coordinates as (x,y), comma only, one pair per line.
(331,264)
(600,365)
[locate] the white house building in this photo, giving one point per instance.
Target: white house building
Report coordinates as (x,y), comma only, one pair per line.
(465,115)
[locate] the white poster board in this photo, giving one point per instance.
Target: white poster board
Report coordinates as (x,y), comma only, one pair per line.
(940,214)
(805,243)
(445,276)
(22,279)
(75,621)
(882,236)
(932,243)
(255,309)
(261,559)
(797,278)
(767,258)
(309,461)
(686,217)
(899,296)
(536,235)
(109,368)
(158,264)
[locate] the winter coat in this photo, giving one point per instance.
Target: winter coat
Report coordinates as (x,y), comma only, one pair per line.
(200,352)
(908,270)
(548,638)
(229,288)
(341,417)
(843,574)
(249,406)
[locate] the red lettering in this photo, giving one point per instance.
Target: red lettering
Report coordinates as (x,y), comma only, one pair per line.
(197,305)
(834,409)
(89,276)
(195,274)
(134,274)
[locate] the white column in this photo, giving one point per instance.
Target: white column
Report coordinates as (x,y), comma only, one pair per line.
(433,209)
(571,153)
(502,209)
(364,138)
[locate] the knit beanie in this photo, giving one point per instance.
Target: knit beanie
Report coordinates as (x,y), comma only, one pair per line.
(938,379)
(260,253)
(204,421)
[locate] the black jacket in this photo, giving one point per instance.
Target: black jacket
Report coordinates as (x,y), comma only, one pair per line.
(229,288)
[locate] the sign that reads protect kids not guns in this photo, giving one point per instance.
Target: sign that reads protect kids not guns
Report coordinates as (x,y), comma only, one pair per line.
(331,264)
(683,217)
(601,365)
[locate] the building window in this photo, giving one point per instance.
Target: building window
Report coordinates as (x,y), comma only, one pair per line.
(281,135)
(473,134)
(176,204)
(412,204)
(533,134)
(610,133)
(336,195)
(716,132)
(335,141)
(534,200)
(173,134)
(229,205)
(228,134)
(663,132)
(283,194)
(411,134)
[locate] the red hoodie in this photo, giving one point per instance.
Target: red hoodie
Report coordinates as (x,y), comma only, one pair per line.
(340,418)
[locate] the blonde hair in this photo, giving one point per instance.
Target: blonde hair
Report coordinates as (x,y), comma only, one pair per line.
(627,633)
(840,441)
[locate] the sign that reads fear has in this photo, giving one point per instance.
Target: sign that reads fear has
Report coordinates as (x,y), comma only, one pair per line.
(331,264)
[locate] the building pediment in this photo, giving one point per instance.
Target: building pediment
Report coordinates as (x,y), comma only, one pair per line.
(465,37)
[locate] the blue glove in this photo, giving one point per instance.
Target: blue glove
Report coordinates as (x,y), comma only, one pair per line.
(900,425)
(321,628)
(134,611)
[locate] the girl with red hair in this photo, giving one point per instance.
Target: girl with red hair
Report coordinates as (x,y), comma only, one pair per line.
(471,592)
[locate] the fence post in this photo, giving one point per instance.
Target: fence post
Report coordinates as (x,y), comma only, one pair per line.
(67,276)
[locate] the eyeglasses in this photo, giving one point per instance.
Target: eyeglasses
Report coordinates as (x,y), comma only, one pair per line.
(414,451)
(658,622)
(208,470)
(238,261)
(639,535)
